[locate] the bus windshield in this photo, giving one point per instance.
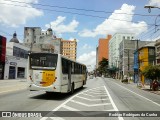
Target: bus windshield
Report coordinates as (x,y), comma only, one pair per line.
(43,61)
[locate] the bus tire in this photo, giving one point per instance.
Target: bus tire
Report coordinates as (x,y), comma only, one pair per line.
(72,88)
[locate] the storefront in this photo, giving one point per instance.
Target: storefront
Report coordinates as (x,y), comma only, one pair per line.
(15,68)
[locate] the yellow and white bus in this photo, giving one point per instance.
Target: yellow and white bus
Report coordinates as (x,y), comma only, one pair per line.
(55,73)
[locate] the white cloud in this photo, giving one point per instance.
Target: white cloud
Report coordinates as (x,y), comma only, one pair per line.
(59,27)
(116,23)
(86,46)
(88,59)
(13,14)
(154,3)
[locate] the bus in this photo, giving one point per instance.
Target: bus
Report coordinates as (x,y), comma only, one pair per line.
(55,73)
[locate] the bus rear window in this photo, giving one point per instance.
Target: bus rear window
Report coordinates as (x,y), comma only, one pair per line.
(43,61)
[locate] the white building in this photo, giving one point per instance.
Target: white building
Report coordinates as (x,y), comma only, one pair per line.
(114,47)
(16,59)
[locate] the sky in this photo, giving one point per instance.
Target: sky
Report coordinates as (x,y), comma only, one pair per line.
(84,20)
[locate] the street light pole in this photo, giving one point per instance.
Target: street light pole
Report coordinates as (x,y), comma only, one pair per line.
(149,7)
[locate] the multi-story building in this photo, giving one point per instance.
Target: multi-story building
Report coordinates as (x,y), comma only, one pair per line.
(114,47)
(41,41)
(126,56)
(2,55)
(69,48)
(16,59)
(146,57)
(157,50)
(103,49)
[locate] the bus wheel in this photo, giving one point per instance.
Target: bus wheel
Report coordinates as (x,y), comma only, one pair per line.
(72,88)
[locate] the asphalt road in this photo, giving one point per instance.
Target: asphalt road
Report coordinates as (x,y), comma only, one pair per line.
(95,101)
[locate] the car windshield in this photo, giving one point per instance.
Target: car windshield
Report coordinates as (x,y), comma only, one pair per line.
(43,61)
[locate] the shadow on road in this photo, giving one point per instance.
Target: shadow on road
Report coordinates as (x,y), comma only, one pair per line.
(56,96)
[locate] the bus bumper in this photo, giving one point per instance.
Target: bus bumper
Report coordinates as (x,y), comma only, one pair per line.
(51,88)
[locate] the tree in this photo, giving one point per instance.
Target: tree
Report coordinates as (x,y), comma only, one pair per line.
(151,72)
(103,65)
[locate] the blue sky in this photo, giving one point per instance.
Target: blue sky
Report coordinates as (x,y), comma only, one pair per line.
(81,19)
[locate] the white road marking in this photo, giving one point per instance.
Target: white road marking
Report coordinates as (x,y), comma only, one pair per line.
(92,95)
(90,99)
(84,113)
(138,95)
(70,100)
(57,108)
(70,108)
(99,93)
(90,105)
(87,94)
(113,104)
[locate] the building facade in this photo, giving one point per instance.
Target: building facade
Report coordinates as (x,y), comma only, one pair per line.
(127,49)
(146,57)
(16,59)
(157,50)
(69,48)
(103,48)
(114,47)
(41,41)
(3,54)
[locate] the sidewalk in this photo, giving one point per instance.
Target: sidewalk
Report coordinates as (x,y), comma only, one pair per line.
(13,85)
(145,87)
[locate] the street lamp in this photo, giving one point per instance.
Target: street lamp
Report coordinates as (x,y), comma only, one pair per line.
(149,7)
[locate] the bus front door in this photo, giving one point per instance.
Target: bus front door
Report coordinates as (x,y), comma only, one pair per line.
(69,76)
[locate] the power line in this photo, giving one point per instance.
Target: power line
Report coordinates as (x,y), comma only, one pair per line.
(71,13)
(151,30)
(80,9)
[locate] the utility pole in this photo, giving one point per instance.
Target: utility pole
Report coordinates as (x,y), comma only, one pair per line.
(138,60)
(128,65)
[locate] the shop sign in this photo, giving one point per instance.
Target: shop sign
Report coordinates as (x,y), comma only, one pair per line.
(13,63)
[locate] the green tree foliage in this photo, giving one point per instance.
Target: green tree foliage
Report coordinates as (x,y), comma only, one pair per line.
(151,72)
(103,65)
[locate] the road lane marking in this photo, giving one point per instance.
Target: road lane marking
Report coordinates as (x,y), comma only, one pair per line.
(71,100)
(92,95)
(138,95)
(87,94)
(58,107)
(70,108)
(100,93)
(84,113)
(112,102)
(90,105)
(90,99)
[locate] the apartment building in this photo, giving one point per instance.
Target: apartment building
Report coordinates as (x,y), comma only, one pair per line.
(103,49)
(69,48)
(114,47)
(126,61)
